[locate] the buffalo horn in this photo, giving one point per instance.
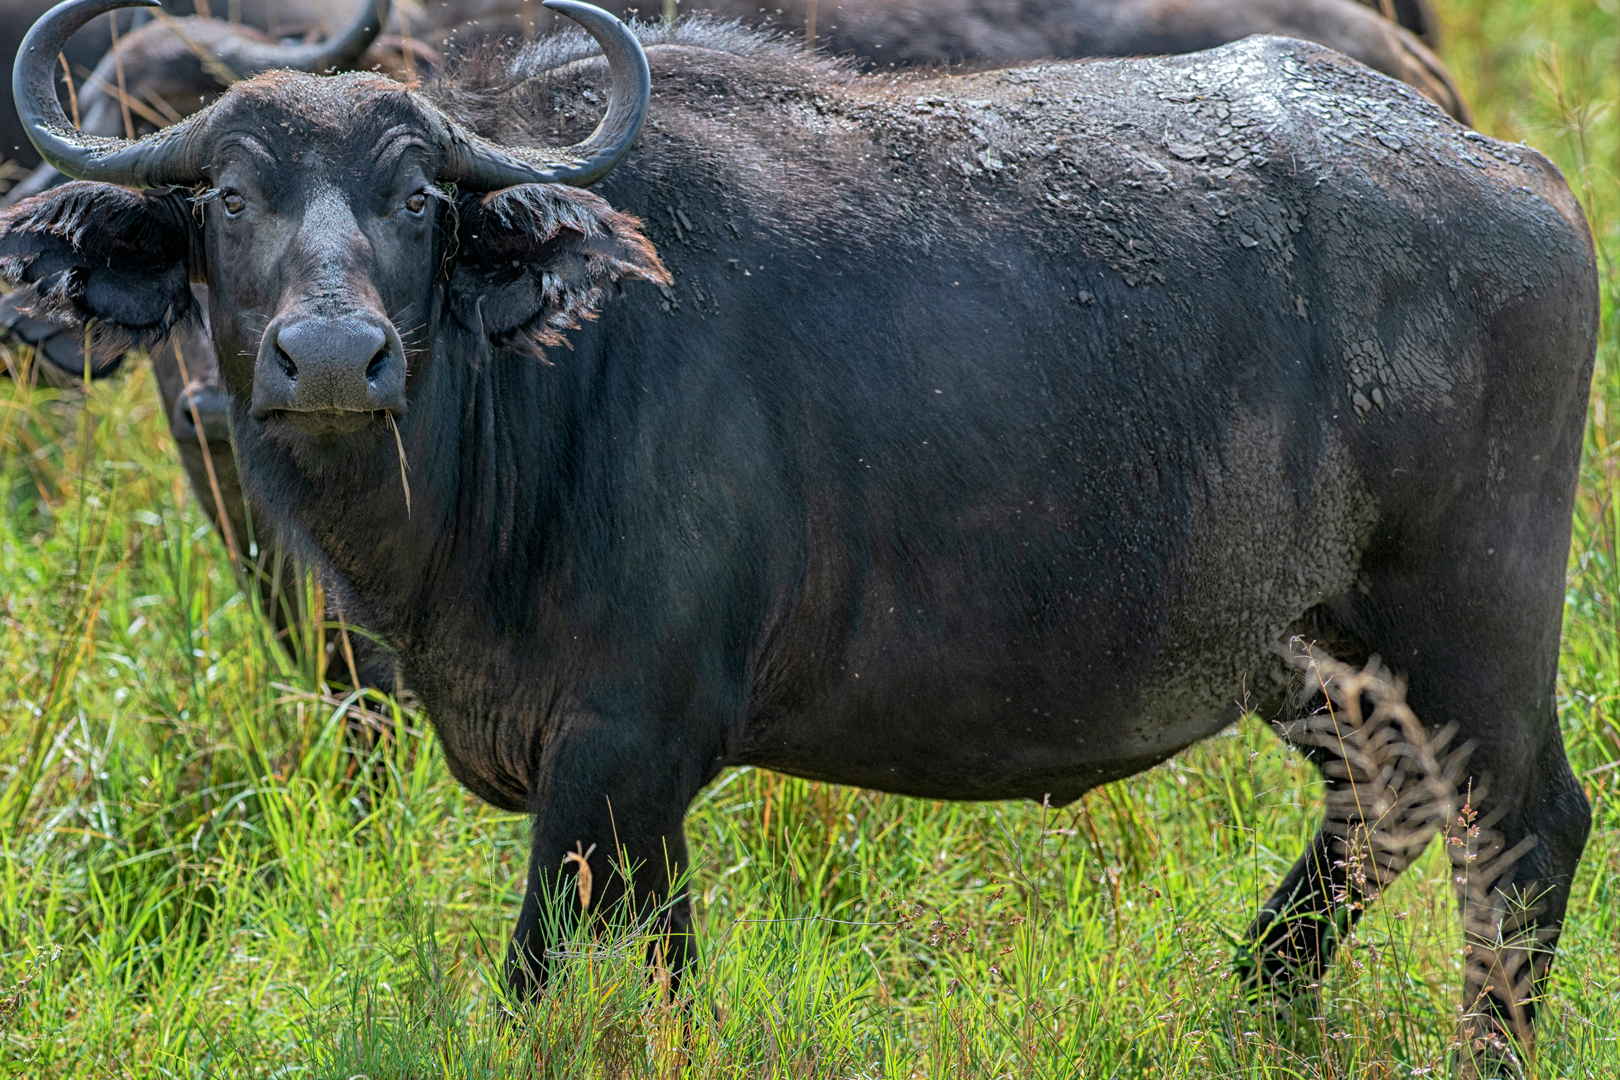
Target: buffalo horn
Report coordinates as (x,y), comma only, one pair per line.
(481,165)
(167,157)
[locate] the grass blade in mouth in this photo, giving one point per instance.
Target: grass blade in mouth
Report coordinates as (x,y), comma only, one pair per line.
(404,480)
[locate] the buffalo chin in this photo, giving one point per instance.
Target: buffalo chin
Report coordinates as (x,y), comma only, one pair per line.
(326,425)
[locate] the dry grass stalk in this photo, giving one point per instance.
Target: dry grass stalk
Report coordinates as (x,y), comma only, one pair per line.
(118,67)
(12,998)
(73,95)
(1389,790)
(404,479)
(582,860)
(223,518)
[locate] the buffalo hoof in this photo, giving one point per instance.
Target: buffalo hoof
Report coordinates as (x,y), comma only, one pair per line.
(1486,1052)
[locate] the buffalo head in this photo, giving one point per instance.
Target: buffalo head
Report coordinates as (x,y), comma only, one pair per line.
(336,220)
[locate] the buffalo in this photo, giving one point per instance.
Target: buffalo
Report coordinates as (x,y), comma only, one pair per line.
(961,436)
(880,33)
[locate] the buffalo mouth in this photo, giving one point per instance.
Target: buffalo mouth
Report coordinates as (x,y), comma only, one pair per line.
(328,423)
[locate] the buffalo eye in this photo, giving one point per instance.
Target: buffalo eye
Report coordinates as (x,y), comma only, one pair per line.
(417,202)
(234,204)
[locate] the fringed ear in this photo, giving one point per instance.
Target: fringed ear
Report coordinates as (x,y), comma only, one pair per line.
(102,255)
(535,260)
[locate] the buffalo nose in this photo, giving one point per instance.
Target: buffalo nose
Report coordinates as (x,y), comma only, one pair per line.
(203,402)
(324,365)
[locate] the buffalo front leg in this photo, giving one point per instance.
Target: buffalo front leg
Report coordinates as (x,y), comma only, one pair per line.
(1293,937)
(608,847)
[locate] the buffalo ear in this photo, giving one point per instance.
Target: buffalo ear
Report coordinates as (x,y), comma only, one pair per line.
(535,260)
(96,253)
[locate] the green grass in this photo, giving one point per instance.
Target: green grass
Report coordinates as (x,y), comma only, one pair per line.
(199,877)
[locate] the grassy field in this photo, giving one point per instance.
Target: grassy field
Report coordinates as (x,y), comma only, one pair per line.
(200,878)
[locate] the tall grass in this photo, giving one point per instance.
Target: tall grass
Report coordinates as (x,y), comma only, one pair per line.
(200,876)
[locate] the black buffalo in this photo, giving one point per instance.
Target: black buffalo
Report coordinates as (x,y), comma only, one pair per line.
(969,437)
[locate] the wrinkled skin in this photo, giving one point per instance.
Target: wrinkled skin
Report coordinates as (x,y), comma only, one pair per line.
(898,466)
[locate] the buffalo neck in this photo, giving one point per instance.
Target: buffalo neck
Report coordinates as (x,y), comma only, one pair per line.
(472,519)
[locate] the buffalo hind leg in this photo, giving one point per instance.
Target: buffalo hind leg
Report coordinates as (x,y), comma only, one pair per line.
(1479,646)
(1516,854)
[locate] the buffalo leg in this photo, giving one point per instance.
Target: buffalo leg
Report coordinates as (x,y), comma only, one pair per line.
(1524,836)
(1480,649)
(1293,937)
(621,812)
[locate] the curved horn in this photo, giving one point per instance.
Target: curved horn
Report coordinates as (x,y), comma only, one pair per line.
(484,166)
(246,57)
(167,157)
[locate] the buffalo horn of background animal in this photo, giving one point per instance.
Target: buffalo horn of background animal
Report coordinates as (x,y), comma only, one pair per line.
(247,56)
(168,156)
(481,165)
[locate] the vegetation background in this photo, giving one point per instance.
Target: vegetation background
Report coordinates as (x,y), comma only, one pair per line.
(200,877)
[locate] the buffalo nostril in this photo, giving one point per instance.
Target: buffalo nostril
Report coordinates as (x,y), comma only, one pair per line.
(288,367)
(377,364)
